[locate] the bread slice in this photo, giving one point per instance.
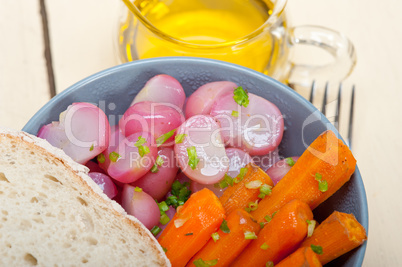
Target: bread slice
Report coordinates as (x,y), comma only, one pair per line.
(53,214)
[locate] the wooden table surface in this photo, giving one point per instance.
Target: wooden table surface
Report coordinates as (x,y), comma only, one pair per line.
(82,35)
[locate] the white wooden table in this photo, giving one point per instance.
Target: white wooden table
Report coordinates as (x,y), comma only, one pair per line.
(82,42)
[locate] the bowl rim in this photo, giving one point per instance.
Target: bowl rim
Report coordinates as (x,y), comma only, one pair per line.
(161,60)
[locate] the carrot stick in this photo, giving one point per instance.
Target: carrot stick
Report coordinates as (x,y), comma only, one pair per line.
(229,245)
(338,234)
(279,237)
(239,196)
(192,226)
(322,169)
(303,257)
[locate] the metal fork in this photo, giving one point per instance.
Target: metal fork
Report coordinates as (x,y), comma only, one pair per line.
(338,108)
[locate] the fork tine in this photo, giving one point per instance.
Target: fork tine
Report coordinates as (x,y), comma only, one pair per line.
(338,107)
(352,105)
(324,99)
(312,92)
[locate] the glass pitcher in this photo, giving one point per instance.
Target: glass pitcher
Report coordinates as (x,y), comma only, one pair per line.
(251,33)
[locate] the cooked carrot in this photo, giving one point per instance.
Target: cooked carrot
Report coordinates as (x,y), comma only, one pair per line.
(192,226)
(279,237)
(322,169)
(303,257)
(229,245)
(239,196)
(336,235)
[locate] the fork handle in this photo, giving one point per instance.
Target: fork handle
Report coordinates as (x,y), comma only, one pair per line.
(335,43)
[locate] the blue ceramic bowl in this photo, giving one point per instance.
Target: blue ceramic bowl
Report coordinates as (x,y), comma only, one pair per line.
(113,90)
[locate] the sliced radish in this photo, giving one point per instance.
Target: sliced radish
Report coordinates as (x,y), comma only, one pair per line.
(201,152)
(127,165)
(152,117)
(105,183)
(162,88)
(257,128)
(158,181)
(280,169)
(82,132)
(237,160)
(141,205)
(116,136)
(201,101)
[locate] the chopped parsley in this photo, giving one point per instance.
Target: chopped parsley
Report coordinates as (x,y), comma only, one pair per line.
(225,182)
(322,184)
(178,139)
(290,161)
(215,236)
(164,137)
(239,178)
(188,234)
(179,194)
(158,162)
(250,235)
(264,246)
(101,158)
(192,157)
(317,249)
(142,150)
(114,156)
(224,227)
(240,96)
(202,263)
(156,230)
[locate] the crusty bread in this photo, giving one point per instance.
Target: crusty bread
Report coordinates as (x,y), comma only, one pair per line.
(53,214)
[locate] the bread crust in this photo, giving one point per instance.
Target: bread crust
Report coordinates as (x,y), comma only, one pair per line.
(79,175)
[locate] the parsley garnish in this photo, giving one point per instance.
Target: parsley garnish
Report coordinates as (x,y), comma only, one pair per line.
(192,157)
(241,96)
(264,246)
(164,137)
(178,139)
(142,150)
(290,161)
(188,234)
(317,249)
(101,158)
(224,227)
(91,148)
(158,162)
(179,194)
(239,178)
(114,156)
(322,184)
(202,263)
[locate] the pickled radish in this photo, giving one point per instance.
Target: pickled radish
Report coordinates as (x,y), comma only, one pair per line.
(257,128)
(237,160)
(151,117)
(266,161)
(162,88)
(141,205)
(94,167)
(158,181)
(200,151)
(280,169)
(82,132)
(133,157)
(201,101)
(105,183)
(116,136)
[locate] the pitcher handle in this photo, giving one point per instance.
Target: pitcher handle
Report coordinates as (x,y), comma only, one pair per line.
(337,44)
